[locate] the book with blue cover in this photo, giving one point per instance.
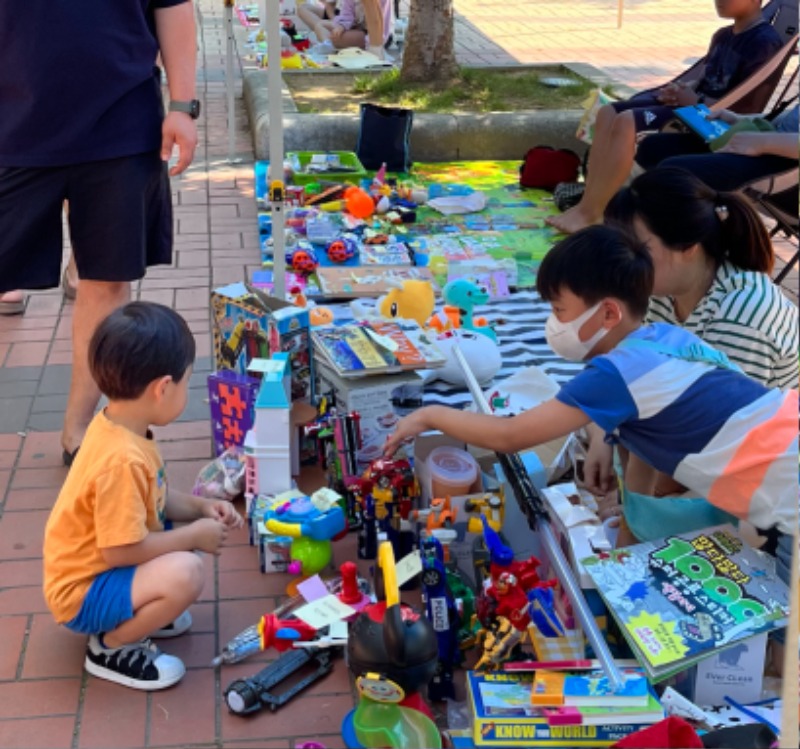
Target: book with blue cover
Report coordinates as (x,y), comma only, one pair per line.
(695,117)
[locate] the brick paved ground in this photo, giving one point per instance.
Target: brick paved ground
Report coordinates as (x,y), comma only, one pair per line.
(45,700)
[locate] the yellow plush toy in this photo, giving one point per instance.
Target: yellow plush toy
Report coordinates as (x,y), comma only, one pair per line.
(410,300)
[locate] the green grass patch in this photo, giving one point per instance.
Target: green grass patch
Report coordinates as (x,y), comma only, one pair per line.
(476,90)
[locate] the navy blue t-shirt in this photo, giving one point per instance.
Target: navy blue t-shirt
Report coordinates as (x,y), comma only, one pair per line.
(78,80)
(733,57)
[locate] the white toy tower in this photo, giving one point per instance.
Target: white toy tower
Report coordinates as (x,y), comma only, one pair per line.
(268,445)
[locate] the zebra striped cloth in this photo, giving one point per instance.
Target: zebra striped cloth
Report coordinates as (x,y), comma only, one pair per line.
(519,323)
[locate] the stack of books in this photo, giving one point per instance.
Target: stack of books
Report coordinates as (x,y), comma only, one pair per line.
(373,347)
(552,708)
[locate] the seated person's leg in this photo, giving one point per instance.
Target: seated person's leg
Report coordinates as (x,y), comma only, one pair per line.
(730,171)
(660,146)
(609,166)
(351,38)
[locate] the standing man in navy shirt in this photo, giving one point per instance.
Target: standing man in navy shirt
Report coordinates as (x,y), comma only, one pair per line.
(82,119)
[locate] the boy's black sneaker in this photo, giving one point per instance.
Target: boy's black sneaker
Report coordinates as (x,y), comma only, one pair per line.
(140,665)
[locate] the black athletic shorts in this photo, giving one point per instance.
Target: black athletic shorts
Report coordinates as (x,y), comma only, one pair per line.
(648,113)
(119,216)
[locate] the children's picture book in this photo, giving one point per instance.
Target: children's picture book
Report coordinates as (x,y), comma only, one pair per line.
(695,117)
(504,722)
(682,598)
(367,347)
(368,280)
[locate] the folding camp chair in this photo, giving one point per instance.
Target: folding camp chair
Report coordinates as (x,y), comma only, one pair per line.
(777,196)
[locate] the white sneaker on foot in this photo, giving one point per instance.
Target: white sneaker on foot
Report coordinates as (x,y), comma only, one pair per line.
(140,665)
(175,628)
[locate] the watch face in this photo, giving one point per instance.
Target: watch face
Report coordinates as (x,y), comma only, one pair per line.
(194,110)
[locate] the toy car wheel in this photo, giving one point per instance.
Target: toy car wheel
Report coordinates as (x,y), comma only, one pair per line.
(431,578)
(241,698)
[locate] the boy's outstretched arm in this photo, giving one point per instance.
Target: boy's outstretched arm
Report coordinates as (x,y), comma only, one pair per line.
(548,421)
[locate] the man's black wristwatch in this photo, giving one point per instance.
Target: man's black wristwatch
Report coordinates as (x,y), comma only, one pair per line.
(192,108)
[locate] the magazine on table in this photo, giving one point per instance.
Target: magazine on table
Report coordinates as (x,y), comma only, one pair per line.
(681,598)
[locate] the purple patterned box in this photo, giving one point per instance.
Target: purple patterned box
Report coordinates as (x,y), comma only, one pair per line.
(232,397)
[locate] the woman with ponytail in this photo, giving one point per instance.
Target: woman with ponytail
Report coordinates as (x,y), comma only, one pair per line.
(712,258)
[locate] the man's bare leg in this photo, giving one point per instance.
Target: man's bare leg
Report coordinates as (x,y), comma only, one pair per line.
(610,163)
(97,300)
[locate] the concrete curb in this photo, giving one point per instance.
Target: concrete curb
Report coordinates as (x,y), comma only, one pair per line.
(434,137)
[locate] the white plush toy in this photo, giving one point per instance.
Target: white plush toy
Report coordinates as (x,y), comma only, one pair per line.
(479,350)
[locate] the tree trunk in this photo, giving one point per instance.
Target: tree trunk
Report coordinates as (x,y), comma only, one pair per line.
(429,53)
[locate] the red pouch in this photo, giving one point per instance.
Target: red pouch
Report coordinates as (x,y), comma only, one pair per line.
(544,167)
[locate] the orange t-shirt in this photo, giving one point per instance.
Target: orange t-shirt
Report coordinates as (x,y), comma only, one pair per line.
(114,495)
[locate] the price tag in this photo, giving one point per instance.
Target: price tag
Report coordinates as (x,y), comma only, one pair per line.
(408,567)
(313,589)
(324,611)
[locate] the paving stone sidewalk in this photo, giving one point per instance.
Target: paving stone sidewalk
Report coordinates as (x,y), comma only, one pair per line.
(45,698)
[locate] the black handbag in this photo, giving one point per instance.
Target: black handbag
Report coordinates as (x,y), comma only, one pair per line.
(384,137)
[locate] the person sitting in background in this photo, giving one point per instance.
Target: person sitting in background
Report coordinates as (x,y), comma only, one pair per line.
(366,24)
(734,54)
(746,157)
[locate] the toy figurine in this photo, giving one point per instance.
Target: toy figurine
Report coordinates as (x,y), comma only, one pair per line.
(341,250)
(500,642)
(302,260)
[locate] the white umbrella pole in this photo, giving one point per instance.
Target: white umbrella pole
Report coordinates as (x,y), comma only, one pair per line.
(230,83)
(272,22)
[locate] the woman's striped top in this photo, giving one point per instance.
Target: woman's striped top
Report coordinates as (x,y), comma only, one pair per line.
(745,315)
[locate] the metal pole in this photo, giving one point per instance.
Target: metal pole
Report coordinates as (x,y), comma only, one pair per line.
(229,80)
(276,189)
(537,518)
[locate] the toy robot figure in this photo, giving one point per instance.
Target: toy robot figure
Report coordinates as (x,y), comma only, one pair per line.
(501,643)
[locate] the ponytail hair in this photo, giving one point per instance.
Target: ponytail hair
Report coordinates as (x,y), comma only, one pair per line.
(683,211)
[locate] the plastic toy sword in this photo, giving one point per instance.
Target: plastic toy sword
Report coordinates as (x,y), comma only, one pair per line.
(533,508)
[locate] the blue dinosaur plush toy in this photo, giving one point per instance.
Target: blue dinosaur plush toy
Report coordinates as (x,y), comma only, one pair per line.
(462,296)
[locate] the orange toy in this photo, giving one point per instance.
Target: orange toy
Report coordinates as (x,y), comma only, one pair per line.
(358,202)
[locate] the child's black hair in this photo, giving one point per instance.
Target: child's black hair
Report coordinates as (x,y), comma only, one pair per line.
(599,262)
(683,211)
(136,345)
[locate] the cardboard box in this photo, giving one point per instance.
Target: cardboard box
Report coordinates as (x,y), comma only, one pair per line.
(736,672)
(249,324)
(380,400)
(232,398)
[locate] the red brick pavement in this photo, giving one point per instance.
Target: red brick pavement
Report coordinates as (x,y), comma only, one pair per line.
(45,698)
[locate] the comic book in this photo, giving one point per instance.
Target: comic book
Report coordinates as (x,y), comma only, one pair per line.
(367,347)
(681,598)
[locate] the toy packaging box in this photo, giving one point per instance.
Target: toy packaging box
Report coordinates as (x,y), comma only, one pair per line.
(232,398)
(380,400)
(249,324)
(508,730)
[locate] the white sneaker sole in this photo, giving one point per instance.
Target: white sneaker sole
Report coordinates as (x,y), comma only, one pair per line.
(126,681)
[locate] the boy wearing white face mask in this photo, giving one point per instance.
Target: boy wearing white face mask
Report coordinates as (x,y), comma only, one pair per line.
(676,404)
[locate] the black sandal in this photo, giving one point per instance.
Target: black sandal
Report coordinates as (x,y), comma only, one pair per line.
(69,457)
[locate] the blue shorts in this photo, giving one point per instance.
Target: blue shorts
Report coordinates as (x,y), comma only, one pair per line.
(107,604)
